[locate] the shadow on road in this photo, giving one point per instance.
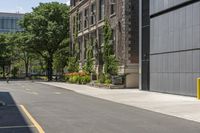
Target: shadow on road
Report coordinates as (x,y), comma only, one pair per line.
(11,118)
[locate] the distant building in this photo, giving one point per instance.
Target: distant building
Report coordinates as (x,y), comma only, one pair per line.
(9,22)
(87,17)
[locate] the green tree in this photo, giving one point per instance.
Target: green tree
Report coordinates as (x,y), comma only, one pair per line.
(73,65)
(61,57)
(88,67)
(48,25)
(5,52)
(14,71)
(21,50)
(109,59)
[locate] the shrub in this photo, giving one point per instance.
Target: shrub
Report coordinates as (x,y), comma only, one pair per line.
(77,77)
(66,77)
(73,65)
(108,81)
(74,79)
(101,78)
(85,79)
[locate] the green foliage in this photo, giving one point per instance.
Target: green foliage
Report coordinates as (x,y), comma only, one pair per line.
(5,48)
(48,26)
(75,35)
(73,65)
(21,50)
(5,52)
(78,78)
(61,57)
(88,67)
(14,71)
(109,59)
(102,78)
(112,66)
(85,79)
(105,78)
(107,48)
(74,79)
(108,81)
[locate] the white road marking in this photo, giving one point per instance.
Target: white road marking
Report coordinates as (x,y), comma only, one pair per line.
(33,93)
(9,127)
(57,93)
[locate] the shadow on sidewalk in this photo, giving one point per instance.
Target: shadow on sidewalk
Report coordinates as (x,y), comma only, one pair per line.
(11,118)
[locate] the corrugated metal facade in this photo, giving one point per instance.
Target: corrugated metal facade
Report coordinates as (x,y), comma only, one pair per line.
(174,46)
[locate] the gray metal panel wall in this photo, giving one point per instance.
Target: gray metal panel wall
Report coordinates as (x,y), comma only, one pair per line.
(159,5)
(175,49)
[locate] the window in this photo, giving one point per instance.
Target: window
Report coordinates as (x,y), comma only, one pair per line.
(80,23)
(73,2)
(85,46)
(113,41)
(112,6)
(101,37)
(1,23)
(93,14)
(74,24)
(86,14)
(93,41)
(101,9)
(79,47)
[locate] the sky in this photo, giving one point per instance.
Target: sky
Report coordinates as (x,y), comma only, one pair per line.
(23,6)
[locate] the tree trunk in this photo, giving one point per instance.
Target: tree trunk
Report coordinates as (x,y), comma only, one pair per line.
(50,68)
(26,68)
(4,75)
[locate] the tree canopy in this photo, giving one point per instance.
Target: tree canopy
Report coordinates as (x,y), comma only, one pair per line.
(5,52)
(48,26)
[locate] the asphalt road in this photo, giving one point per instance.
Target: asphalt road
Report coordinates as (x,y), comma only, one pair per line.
(62,111)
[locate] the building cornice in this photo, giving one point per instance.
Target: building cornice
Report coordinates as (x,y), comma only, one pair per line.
(74,8)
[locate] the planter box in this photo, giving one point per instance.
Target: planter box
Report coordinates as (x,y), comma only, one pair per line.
(93,76)
(117,80)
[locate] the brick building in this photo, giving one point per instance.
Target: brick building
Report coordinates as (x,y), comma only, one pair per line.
(87,19)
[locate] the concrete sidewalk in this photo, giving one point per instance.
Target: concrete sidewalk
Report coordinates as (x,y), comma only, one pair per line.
(174,105)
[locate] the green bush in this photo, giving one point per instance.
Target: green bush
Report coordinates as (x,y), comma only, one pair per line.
(34,77)
(73,65)
(43,77)
(85,79)
(74,79)
(78,78)
(105,78)
(66,77)
(108,81)
(101,78)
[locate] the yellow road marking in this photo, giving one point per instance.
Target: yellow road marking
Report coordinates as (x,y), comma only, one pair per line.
(35,123)
(198,88)
(8,127)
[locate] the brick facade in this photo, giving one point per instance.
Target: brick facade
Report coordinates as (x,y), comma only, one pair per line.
(124,21)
